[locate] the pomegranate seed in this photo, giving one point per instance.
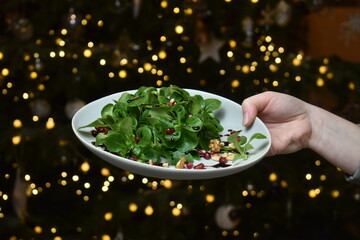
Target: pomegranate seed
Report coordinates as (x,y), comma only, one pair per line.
(170,131)
(223,160)
(207,155)
(199,166)
(137,139)
(238,139)
(202,152)
(189,165)
(134,158)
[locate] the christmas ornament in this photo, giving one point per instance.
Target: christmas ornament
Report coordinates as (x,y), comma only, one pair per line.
(118,6)
(248,29)
(136,5)
(19,196)
(351,28)
(268,15)
(22,28)
(210,49)
(227,217)
(72,107)
(40,108)
(282,13)
(39,65)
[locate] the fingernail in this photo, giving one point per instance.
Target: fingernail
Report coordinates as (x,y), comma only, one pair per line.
(245,119)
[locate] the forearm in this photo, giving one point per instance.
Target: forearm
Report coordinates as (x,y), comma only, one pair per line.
(335,138)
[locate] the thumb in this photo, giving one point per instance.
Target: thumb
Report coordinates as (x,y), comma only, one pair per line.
(253,105)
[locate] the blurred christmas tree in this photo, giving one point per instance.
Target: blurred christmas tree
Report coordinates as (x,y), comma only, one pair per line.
(57,56)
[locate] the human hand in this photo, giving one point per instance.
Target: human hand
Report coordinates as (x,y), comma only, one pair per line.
(286,117)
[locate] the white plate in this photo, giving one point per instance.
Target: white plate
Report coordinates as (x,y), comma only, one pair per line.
(229,114)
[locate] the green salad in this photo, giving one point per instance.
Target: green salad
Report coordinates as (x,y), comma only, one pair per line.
(167,127)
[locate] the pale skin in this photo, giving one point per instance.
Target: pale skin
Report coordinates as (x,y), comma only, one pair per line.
(295,125)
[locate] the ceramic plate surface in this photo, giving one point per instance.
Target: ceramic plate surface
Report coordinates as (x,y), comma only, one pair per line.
(229,114)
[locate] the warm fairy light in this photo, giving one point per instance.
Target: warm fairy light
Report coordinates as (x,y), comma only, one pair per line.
(245,193)
(230,54)
(1,55)
(167,183)
(323,69)
(86,185)
(262,48)
(188,11)
(351,85)
(164,4)
(298,78)
(210,198)
(84,22)
(335,193)
(245,69)
(149,210)
(232,43)
(145,180)
(41,87)
(176,10)
(122,73)
(85,167)
(147,66)
(322,178)
(296,62)
(326,61)
(75,178)
(317,163)
(268,39)
(133,207)
(254,1)
(270,48)
(27,177)
(108,216)
(176,212)
(222,72)
(312,193)
(50,123)
(162,54)
(272,177)
(17,123)
(273,68)
(64,174)
(281,50)
(278,60)
(320,82)
(102,62)
(105,172)
(33,75)
(179,29)
(131,176)
(123,62)
(25,96)
(111,178)
(35,118)
(52,54)
(182,60)
(100,23)
(37,229)
(154,58)
(5,72)
(308,176)
(235,83)
(87,53)
(105,237)
(16,140)
(275,83)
